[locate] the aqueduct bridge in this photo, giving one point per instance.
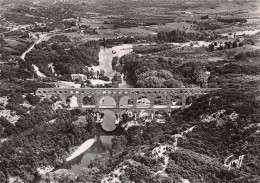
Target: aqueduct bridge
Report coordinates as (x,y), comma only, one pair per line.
(167,97)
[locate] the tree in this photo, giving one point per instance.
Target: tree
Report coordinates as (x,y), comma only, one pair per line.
(117,78)
(201,76)
(241,56)
(101,73)
(105,78)
(211,47)
(234,45)
(61,175)
(88,100)
(221,47)
(172,83)
(6,127)
(2,177)
(91,123)
(90,74)
(8,72)
(162,36)
(16,99)
(104,42)
(115,62)
(229,44)
(32,99)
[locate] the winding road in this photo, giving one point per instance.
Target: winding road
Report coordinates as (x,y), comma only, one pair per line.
(36,69)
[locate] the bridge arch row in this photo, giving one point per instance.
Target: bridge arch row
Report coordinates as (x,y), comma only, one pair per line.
(117,99)
(117,94)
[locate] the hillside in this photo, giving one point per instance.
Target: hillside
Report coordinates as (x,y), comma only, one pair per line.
(190,147)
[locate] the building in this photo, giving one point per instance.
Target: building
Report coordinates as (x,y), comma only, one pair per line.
(80,77)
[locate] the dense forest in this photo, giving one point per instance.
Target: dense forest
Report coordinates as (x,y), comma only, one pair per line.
(158,72)
(140,49)
(180,36)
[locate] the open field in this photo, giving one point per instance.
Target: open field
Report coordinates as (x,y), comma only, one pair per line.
(170,26)
(87,37)
(97,22)
(13,43)
(110,33)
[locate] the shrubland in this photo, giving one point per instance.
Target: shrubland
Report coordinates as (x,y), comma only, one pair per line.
(226,74)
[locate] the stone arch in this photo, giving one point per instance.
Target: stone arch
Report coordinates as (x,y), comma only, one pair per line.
(126,102)
(107,101)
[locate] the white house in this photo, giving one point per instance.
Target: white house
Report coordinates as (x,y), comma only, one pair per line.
(80,77)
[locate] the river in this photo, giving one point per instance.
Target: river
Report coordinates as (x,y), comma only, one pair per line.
(106,56)
(101,145)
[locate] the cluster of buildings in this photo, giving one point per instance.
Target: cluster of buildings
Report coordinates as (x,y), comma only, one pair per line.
(73,25)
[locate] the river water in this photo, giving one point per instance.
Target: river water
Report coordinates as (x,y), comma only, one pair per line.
(102,145)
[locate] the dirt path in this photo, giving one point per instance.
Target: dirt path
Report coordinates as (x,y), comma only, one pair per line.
(32,46)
